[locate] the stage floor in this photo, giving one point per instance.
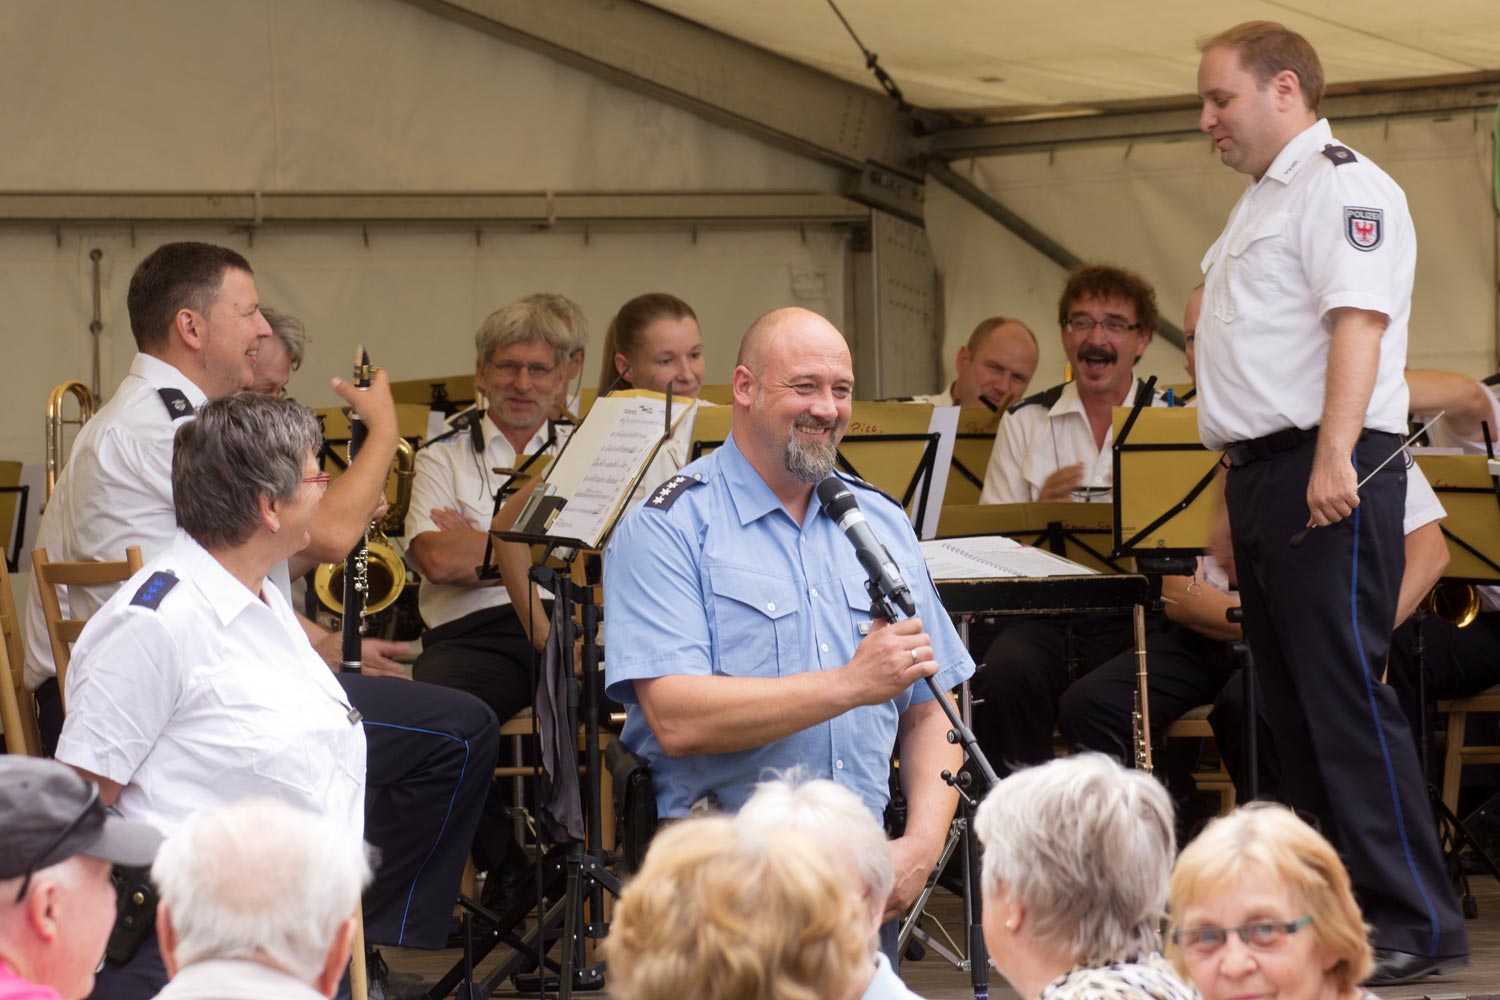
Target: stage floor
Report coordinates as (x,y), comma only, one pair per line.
(936,979)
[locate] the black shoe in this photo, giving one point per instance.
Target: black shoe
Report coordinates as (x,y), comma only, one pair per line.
(382,984)
(1393,968)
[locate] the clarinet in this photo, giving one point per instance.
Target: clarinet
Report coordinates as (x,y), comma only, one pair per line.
(357,562)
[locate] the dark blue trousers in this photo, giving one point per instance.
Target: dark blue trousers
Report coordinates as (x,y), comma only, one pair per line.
(1319,619)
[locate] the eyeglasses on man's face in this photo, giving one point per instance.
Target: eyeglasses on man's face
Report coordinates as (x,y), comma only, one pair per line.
(321,478)
(1261,935)
(1084,324)
(509,371)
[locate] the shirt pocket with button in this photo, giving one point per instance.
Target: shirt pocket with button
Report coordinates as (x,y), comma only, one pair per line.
(857,594)
(1254,262)
(755,622)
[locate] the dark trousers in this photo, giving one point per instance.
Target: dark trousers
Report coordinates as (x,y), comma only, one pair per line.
(486,654)
(49,715)
(431,752)
(1318,619)
(1026,670)
(1185,669)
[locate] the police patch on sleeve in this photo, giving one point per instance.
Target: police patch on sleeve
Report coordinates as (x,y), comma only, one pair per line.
(176,402)
(153,590)
(1364,228)
(665,495)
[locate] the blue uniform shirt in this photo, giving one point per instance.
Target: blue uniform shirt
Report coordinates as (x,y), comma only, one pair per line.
(722,580)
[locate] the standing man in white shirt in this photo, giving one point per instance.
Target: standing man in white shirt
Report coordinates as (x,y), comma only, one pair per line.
(1055,446)
(1300,351)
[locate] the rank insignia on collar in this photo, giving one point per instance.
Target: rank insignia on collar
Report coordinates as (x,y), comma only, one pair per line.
(157,586)
(667,493)
(176,402)
(1364,228)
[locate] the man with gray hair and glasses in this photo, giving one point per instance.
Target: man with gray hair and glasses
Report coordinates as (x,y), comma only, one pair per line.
(257,901)
(57,903)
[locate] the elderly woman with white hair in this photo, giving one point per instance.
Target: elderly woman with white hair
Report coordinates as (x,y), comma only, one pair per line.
(835,818)
(1077,853)
(257,901)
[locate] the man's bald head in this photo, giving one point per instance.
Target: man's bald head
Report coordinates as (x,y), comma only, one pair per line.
(768,336)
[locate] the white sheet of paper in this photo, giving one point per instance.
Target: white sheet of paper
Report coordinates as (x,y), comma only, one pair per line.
(603,461)
(945,425)
(986,557)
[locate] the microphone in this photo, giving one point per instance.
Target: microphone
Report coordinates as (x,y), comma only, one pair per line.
(882,569)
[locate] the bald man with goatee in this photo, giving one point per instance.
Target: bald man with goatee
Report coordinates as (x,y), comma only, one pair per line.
(741,641)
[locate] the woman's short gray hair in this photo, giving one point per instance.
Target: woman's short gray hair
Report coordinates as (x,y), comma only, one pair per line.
(534,319)
(260,878)
(1086,848)
(830,815)
(239,449)
(289,332)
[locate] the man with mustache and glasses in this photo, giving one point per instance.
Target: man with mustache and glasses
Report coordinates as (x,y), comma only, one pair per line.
(1055,446)
(1300,352)
(740,636)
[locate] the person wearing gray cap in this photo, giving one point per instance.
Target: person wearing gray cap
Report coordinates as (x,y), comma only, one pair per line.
(57,904)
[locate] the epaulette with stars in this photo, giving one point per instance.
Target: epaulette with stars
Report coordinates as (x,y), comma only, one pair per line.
(665,495)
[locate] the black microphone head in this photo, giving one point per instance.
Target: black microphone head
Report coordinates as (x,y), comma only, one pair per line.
(835,497)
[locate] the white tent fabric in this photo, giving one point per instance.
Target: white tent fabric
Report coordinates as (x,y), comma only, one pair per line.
(980,56)
(1156,208)
(338,95)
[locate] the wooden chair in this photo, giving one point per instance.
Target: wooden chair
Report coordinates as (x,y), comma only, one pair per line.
(1194,725)
(1459,752)
(63,631)
(17,707)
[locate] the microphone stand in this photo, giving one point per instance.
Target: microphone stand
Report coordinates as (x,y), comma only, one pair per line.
(978,960)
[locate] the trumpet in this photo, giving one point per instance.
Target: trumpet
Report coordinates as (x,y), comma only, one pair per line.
(385,572)
(56,453)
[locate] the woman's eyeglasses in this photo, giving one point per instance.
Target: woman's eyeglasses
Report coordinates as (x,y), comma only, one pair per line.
(1262,935)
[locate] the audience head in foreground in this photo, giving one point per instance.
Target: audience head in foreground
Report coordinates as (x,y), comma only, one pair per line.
(1262,904)
(720,912)
(258,892)
(57,904)
(835,818)
(1077,853)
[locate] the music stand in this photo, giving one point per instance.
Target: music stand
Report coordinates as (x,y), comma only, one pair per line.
(977,427)
(581,871)
(1164,514)
(15,497)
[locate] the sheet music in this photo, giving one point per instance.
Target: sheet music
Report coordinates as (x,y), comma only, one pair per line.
(982,557)
(598,470)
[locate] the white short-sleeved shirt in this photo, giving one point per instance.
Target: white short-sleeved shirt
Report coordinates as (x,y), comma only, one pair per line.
(115,491)
(1044,433)
(944,398)
(452,474)
(1441,437)
(197,693)
(1323,229)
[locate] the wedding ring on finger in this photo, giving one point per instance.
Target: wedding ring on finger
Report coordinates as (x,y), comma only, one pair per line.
(914,657)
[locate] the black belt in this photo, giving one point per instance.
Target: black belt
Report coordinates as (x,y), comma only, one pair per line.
(1245,452)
